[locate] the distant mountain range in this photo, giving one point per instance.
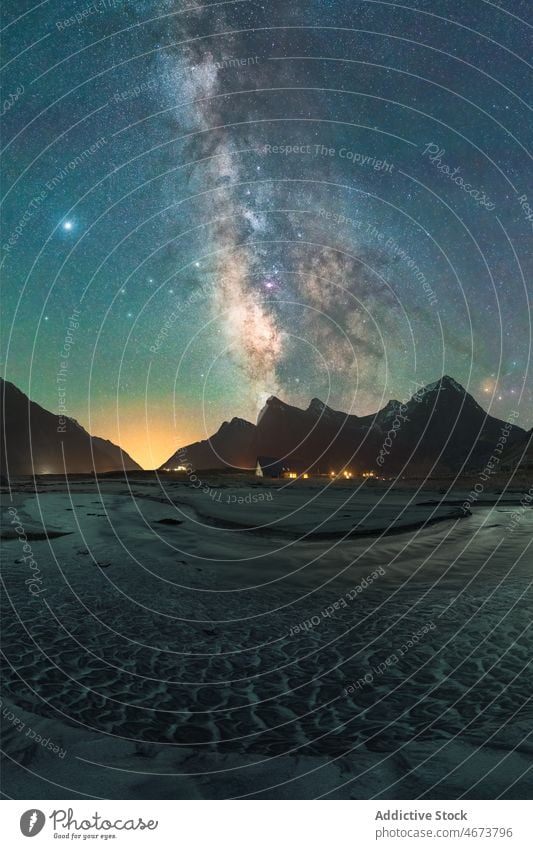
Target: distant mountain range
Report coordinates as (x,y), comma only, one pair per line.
(30,442)
(440,429)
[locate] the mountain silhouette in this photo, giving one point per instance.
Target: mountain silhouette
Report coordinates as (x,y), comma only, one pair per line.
(35,441)
(440,429)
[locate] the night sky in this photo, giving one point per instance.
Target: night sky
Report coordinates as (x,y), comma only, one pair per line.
(306,199)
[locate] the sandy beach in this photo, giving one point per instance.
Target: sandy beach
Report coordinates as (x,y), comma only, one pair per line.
(346,642)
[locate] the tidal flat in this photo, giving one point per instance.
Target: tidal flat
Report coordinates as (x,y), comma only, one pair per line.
(265,641)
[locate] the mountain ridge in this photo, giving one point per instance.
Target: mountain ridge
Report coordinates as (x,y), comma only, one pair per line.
(35,441)
(441,427)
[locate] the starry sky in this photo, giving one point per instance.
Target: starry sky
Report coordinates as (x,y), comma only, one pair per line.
(203,206)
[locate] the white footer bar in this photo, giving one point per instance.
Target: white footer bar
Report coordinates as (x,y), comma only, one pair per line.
(266,824)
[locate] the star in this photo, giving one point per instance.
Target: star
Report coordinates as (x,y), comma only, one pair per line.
(377,242)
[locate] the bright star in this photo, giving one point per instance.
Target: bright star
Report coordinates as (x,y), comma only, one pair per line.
(68,225)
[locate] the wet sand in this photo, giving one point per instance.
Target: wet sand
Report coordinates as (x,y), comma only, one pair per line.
(352,643)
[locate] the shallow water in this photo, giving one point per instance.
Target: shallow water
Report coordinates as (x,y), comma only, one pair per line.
(195,660)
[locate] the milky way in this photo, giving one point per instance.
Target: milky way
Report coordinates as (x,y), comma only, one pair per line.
(324,199)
